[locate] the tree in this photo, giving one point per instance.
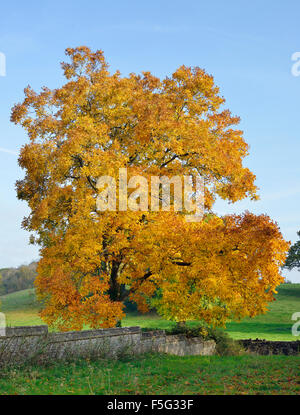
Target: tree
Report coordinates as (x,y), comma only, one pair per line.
(92,261)
(16,279)
(293,258)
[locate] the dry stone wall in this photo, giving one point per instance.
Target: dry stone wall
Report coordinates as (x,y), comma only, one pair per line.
(264,347)
(22,344)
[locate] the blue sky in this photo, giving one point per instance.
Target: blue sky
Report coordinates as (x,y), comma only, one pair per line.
(246,46)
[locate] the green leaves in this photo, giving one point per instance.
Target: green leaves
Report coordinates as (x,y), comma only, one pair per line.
(293,258)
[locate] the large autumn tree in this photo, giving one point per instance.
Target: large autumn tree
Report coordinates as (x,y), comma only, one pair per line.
(91,261)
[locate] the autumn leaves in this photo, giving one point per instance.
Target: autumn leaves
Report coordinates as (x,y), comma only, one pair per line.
(91,260)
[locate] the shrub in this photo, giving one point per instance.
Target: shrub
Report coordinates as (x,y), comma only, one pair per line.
(226,346)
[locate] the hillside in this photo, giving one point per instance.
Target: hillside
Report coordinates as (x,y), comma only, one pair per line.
(21,309)
(17,279)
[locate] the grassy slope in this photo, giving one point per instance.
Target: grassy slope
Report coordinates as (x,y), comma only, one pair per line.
(21,309)
(159,374)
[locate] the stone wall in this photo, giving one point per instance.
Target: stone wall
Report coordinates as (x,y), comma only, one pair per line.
(21,343)
(179,345)
(264,347)
(36,343)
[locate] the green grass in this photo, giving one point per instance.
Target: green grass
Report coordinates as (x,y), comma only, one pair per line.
(21,309)
(276,323)
(163,374)
(159,374)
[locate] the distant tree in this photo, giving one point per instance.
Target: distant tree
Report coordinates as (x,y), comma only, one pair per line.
(293,258)
(16,279)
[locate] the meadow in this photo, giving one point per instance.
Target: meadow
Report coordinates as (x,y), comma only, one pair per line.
(156,374)
(21,309)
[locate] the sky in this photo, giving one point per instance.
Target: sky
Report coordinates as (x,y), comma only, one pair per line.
(246,46)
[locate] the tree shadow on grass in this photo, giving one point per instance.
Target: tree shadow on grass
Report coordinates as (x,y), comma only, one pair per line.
(290,291)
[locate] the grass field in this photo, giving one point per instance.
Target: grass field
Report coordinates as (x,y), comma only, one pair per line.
(21,309)
(163,374)
(159,374)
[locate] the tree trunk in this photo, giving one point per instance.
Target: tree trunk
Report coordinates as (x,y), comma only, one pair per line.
(181,324)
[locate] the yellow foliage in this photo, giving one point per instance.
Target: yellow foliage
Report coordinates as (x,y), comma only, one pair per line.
(91,261)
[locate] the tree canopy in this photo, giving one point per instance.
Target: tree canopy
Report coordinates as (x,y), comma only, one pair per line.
(293,258)
(91,261)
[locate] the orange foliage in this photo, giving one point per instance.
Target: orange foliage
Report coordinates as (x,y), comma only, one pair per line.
(91,261)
